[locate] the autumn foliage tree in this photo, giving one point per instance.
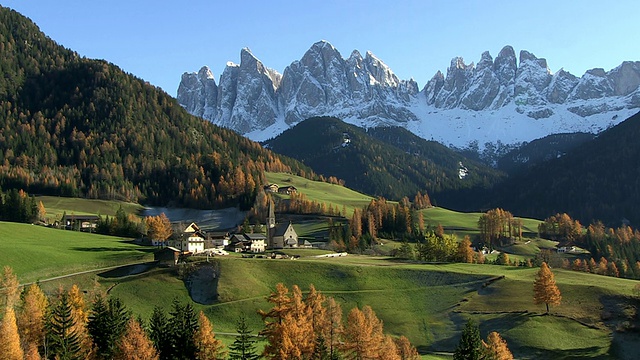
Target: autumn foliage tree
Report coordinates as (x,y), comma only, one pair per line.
(158,227)
(31,317)
(497,348)
(10,348)
(545,290)
(207,346)
(135,345)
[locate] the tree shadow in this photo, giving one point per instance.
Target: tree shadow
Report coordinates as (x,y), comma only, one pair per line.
(128,270)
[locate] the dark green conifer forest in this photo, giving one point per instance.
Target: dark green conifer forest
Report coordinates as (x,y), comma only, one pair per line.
(73,126)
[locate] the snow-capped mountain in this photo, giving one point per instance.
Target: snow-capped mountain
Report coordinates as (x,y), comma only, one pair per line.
(503,99)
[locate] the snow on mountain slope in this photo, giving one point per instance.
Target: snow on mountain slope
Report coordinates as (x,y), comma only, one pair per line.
(496,100)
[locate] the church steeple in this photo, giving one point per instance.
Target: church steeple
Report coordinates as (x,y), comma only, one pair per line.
(271,219)
(271,224)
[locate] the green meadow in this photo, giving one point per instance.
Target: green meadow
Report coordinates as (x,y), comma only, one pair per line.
(336,195)
(56,206)
(36,252)
(428,303)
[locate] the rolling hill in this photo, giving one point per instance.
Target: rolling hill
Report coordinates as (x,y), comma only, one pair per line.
(390,162)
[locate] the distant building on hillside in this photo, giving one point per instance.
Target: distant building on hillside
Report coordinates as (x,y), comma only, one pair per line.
(287,190)
(80,222)
(271,188)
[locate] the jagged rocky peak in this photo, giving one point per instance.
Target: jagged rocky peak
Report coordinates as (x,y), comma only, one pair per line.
(626,78)
(198,92)
(363,90)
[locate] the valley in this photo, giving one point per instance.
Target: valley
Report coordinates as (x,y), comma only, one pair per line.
(433,207)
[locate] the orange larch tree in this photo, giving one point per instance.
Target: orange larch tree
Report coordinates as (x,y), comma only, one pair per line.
(135,345)
(497,347)
(545,290)
(208,347)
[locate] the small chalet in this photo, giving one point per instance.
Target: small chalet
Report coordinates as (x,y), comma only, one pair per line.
(167,256)
(80,222)
(287,190)
(271,188)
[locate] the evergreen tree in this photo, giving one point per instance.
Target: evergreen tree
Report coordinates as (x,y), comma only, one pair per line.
(321,351)
(63,339)
(107,323)
(545,290)
(470,345)
(243,347)
(159,333)
(183,324)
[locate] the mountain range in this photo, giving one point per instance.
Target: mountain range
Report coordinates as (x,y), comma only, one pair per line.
(508,99)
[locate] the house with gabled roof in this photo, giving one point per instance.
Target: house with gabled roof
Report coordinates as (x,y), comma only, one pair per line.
(192,239)
(255,243)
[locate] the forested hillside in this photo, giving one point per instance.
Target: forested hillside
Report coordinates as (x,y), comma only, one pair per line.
(597,180)
(388,162)
(79,127)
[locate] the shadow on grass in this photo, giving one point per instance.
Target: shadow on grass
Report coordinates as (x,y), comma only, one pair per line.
(128,270)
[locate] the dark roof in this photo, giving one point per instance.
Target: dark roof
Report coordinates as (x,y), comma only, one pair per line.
(81,217)
(281,229)
(255,236)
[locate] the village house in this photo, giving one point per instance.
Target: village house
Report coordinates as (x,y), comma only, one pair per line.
(216,240)
(80,222)
(287,190)
(255,243)
(192,240)
(271,188)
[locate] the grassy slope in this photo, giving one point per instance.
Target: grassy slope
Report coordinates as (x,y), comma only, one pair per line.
(36,252)
(56,206)
(427,303)
(322,192)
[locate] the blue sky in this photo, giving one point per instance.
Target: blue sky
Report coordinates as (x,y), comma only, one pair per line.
(159,40)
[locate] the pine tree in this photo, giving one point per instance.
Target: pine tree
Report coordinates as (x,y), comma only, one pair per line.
(107,323)
(10,348)
(497,348)
(243,347)
(183,324)
(135,345)
(159,333)
(320,351)
(545,290)
(470,345)
(208,347)
(63,339)
(31,317)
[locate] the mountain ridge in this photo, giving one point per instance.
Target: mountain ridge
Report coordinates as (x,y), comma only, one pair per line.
(509,98)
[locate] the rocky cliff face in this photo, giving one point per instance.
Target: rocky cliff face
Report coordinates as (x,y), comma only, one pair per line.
(253,99)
